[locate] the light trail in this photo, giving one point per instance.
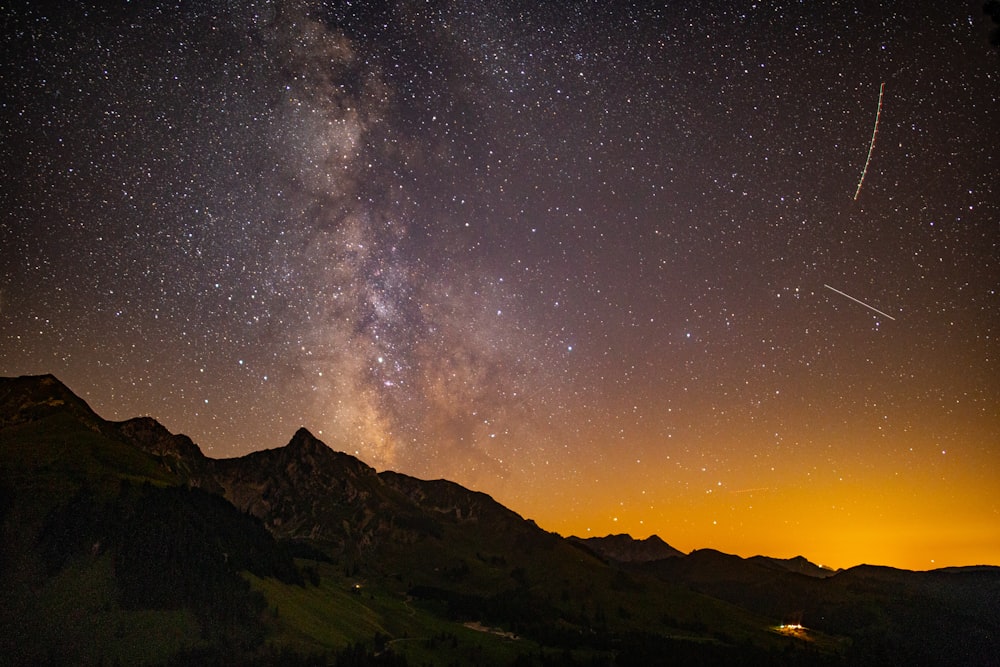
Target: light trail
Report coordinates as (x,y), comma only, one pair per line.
(871,146)
(753,490)
(860,301)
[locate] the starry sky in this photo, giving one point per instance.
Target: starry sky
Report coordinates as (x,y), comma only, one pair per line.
(671,268)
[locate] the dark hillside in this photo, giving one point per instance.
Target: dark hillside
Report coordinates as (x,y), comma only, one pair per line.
(97,536)
(123,543)
(938,617)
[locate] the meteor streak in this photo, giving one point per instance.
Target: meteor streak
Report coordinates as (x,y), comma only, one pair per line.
(859,301)
(871,146)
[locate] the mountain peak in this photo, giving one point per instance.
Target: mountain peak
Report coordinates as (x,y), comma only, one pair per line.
(799,564)
(31,397)
(305,440)
(625,548)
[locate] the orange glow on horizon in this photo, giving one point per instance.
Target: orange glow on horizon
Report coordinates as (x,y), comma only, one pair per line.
(917,519)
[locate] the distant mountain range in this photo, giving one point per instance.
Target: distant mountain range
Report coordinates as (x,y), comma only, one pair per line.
(122,542)
(625,549)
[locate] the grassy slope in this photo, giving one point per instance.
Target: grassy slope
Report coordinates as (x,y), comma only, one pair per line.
(344,610)
(583,603)
(54,456)
(71,616)
(74,618)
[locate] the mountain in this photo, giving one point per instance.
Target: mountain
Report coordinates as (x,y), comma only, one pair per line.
(122,542)
(941,617)
(25,400)
(626,549)
(797,564)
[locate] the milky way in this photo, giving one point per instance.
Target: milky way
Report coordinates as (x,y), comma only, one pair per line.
(576,256)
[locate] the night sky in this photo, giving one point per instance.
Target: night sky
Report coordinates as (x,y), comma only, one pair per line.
(604,261)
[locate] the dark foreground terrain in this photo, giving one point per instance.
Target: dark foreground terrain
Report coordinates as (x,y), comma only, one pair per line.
(123,544)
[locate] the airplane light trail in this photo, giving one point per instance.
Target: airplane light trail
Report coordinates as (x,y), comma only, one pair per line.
(871,146)
(859,301)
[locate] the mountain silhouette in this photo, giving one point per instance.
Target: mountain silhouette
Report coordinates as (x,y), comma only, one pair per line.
(626,549)
(124,543)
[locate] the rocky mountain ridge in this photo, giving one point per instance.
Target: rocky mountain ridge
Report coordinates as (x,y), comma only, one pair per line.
(145,519)
(303,490)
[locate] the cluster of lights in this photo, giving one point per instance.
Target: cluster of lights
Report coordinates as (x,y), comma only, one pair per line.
(793,629)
